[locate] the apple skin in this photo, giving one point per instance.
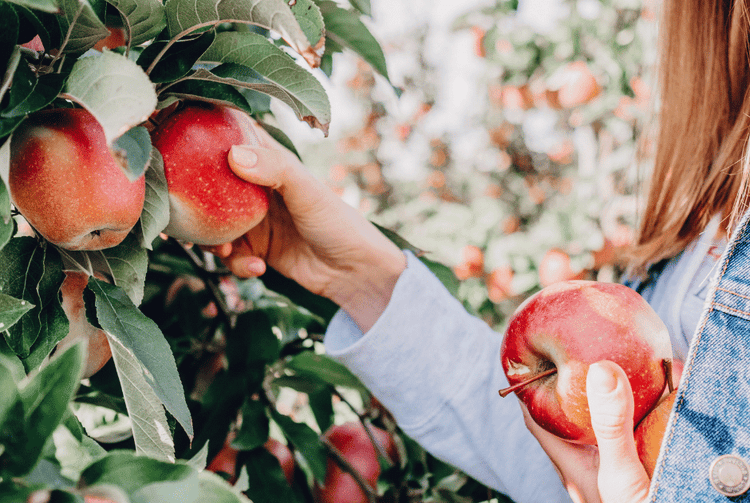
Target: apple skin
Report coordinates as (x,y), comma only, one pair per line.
(99,351)
(66,182)
(650,432)
(355,445)
(225,460)
(209,204)
(570,325)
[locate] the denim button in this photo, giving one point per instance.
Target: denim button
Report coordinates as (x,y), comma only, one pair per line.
(730,475)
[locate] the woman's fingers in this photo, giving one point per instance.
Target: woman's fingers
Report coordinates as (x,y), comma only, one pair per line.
(622,478)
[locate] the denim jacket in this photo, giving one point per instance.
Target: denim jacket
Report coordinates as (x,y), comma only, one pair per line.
(711,415)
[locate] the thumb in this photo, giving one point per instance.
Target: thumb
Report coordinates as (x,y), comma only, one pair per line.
(259,165)
(622,478)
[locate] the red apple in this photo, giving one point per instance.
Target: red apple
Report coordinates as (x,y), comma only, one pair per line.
(354,444)
(209,204)
(564,328)
(117,38)
(284,455)
(225,460)
(650,432)
(67,183)
(99,351)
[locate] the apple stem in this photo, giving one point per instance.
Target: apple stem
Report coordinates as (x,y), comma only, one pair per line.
(667,364)
(510,389)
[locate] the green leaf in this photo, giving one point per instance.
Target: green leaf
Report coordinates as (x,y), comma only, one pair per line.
(311,21)
(83,27)
(280,136)
(45,396)
(52,6)
(9,30)
(122,320)
(9,397)
(186,15)
(31,273)
(215,489)
(177,61)
(143,19)
(46,25)
(266,480)
(256,330)
(131,472)
(216,92)
(150,427)
(254,429)
(306,95)
(7,224)
(184,491)
(306,441)
(31,93)
(98,83)
(325,369)
(321,403)
(362,6)
(155,215)
(134,146)
(11,310)
(292,290)
(346,29)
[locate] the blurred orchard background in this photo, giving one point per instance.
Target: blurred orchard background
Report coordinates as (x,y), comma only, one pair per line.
(515,149)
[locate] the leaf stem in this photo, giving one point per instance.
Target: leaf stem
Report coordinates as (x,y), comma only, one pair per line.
(510,389)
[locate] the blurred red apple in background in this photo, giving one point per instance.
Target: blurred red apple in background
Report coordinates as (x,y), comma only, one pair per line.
(209,204)
(555,335)
(99,351)
(67,183)
(355,445)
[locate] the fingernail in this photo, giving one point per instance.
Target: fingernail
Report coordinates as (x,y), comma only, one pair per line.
(600,379)
(243,155)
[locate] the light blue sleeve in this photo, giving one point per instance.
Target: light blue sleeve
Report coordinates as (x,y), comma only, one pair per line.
(437,369)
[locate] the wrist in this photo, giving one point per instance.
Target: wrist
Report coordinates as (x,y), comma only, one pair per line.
(367,288)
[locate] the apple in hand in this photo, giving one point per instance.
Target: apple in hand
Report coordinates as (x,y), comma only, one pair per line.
(99,351)
(555,335)
(209,204)
(356,447)
(68,184)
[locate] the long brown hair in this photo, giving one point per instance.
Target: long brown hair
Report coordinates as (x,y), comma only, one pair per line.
(703,120)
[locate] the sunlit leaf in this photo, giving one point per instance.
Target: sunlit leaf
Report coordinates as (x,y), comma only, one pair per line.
(114,89)
(155,215)
(150,428)
(122,320)
(258,53)
(83,27)
(52,6)
(183,15)
(134,151)
(310,20)
(144,19)
(11,310)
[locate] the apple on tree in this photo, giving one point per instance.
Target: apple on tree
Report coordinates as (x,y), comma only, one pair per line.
(356,448)
(99,351)
(209,204)
(555,335)
(68,184)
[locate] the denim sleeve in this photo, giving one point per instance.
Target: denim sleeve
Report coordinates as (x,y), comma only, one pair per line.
(437,369)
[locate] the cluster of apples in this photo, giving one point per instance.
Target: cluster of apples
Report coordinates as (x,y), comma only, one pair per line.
(70,186)
(553,337)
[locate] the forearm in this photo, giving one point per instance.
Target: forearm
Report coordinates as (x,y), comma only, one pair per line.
(437,369)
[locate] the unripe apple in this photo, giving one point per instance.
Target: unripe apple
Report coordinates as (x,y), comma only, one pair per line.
(555,335)
(68,184)
(209,204)
(354,444)
(650,432)
(99,351)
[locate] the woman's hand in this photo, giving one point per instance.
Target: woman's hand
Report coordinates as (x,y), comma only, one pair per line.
(611,471)
(313,237)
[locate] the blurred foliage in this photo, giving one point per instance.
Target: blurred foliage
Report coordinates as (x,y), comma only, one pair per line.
(556,150)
